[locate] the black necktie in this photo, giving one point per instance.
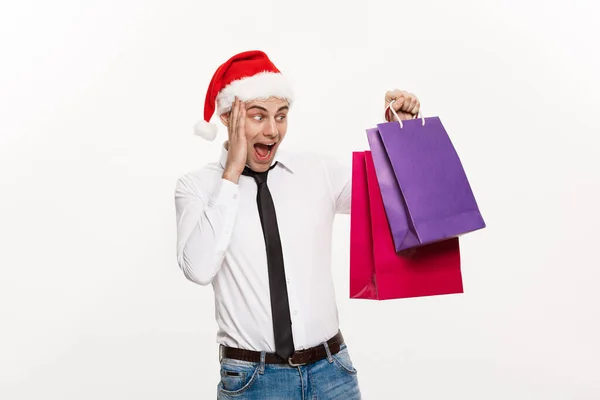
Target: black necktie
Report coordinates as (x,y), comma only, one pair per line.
(280,309)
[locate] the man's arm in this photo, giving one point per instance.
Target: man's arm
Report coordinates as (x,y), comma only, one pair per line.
(204,225)
(339,177)
(406,106)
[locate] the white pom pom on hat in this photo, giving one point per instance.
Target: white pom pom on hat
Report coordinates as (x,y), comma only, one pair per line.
(206,130)
(248,76)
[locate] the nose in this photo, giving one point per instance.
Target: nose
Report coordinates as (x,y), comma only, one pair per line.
(270,128)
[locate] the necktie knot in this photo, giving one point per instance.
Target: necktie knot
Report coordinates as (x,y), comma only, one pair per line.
(259,177)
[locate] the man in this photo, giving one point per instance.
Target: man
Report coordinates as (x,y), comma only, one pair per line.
(257,226)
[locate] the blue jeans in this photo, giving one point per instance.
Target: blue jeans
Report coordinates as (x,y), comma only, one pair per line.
(332,378)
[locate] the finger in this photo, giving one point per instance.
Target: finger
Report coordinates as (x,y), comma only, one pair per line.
(396,107)
(392,95)
(404,115)
(416,108)
(408,103)
(230,117)
(399,103)
(239,117)
(389,96)
(233,117)
(411,105)
(242,123)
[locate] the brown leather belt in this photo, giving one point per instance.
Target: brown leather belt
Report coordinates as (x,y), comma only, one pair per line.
(300,357)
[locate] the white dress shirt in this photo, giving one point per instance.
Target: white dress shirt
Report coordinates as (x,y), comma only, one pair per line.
(220,242)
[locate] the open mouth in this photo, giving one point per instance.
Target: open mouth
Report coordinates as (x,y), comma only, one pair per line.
(263,150)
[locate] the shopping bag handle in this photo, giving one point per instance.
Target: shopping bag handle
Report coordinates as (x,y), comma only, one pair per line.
(398,118)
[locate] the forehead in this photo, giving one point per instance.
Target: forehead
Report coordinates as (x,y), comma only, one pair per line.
(271,104)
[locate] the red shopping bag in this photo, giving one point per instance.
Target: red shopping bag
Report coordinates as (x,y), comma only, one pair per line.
(377,271)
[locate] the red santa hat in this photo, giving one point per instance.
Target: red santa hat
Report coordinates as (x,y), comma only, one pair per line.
(248,76)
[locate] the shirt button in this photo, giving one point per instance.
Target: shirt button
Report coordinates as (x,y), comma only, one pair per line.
(288,280)
(295,312)
(235,196)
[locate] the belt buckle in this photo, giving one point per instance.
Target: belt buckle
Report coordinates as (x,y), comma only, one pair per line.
(292,364)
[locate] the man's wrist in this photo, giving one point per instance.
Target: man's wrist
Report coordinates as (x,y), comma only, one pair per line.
(231,176)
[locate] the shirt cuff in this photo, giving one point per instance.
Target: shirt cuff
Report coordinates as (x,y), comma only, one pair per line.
(227,194)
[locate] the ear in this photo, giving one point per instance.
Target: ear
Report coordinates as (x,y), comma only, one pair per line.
(225,119)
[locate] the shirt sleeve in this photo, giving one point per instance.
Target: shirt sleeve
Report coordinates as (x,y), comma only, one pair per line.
(339,177)
(204,224)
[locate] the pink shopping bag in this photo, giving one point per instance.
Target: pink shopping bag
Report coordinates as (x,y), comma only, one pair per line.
(377,271)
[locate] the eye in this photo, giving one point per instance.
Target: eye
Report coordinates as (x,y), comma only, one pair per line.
(258,117)
(281,117)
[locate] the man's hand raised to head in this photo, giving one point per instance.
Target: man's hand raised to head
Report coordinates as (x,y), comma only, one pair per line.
(237,147)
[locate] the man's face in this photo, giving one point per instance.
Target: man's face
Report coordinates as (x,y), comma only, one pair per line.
(266,125)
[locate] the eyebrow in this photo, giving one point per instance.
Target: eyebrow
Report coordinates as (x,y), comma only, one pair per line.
(265,110)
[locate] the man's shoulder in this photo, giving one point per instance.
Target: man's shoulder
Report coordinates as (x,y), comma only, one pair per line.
(202,177)
(316,162)
(309,160)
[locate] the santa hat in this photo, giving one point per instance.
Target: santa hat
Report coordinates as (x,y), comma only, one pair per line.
(248,76)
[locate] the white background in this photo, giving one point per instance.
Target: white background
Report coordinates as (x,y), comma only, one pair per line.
(97,104)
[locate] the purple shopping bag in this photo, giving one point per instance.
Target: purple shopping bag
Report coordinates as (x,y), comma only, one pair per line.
(426,193)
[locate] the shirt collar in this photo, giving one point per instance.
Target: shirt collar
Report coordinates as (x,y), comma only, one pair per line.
(281,157)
